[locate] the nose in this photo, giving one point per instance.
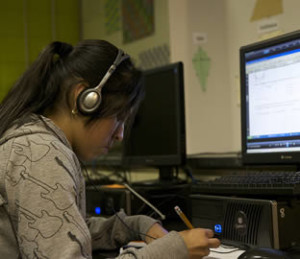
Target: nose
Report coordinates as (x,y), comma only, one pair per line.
(119,133)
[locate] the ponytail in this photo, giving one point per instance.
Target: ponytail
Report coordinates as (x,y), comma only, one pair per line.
(38,87)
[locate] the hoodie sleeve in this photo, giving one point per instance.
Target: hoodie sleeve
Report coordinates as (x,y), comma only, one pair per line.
(171,246)
(118,230)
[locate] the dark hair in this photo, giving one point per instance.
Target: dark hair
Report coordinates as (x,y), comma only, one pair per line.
(48,82)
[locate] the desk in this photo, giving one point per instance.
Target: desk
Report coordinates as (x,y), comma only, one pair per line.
(221,252)
(216,253)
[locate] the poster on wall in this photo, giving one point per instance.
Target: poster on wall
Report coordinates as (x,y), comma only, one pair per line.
(266,9)
(137,19)
(201,64)
(112,16)
(263,13)
(154,57)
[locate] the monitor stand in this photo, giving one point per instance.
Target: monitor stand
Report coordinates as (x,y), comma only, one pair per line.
(166,179)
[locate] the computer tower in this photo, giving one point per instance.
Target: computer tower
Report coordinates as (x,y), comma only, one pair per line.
(164,198)
(106,200)
(246,222)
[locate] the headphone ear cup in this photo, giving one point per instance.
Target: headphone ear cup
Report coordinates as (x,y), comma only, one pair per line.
(88,101)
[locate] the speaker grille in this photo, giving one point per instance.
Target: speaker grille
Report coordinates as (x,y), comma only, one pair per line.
(242,222)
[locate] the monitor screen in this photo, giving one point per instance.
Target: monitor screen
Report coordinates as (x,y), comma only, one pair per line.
(270,100)
(157,136)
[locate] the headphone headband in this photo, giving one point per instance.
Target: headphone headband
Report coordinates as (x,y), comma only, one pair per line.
(90,99)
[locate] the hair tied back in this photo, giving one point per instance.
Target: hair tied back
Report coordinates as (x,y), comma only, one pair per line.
(55,58)
(61,50)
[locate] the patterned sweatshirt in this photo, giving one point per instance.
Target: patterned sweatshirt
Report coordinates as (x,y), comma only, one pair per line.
(42,203)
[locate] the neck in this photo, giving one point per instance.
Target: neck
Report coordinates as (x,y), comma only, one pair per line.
(67,123)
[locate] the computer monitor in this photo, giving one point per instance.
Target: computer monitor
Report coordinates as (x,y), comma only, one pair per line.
(270,100)
(157,136)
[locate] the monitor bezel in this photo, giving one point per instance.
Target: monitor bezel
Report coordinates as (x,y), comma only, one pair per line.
(172,160)
(279,158)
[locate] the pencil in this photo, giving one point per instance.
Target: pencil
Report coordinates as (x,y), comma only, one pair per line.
(183,217)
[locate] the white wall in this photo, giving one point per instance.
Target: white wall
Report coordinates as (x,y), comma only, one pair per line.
(207,113)
(213,117)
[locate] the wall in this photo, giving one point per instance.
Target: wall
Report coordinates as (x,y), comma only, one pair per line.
(200,121)
(26,26)
(93,26)
(213,116)
(207,119)
(241,32)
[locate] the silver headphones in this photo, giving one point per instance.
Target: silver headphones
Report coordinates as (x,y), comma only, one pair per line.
(90,99)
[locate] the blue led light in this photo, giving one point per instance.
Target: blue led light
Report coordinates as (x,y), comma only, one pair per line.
(218,228)
(98,210)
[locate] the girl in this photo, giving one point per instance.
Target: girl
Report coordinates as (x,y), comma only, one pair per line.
(70,106)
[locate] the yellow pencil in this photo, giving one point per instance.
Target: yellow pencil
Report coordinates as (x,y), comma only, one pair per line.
(183,217)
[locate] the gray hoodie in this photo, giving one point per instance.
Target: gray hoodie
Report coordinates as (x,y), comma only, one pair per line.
(42,203)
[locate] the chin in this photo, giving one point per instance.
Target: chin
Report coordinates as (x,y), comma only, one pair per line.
(92,156)
(87,157)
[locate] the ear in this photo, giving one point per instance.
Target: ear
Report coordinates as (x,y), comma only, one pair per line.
(78,89)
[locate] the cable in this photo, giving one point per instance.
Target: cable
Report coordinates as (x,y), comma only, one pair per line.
(189,173)
(162,216)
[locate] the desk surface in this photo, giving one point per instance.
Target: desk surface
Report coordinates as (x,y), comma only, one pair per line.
(217,253)
(222,252)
